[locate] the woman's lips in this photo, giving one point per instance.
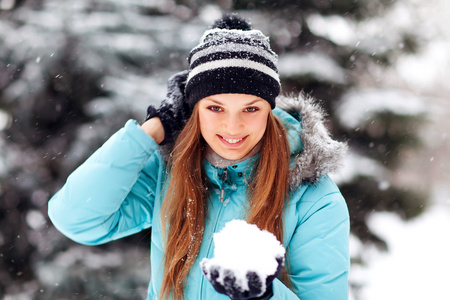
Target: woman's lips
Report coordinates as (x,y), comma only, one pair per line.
(232,142)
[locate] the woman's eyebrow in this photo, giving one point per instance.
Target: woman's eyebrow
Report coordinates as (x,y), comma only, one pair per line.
(253,102)
(215,101)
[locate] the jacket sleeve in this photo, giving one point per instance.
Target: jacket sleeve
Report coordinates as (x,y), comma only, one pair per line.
(109,196)
(318,250)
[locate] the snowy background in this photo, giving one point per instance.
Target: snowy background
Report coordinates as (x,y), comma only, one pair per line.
(417,264)
(73,72)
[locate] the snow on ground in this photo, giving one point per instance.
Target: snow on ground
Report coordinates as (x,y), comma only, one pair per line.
(417,265)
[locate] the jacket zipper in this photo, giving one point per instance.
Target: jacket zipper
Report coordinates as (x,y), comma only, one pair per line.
(222,190)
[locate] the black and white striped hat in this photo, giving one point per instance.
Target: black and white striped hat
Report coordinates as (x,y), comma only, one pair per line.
(232,58)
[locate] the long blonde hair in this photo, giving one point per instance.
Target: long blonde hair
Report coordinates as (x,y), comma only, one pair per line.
(184,209)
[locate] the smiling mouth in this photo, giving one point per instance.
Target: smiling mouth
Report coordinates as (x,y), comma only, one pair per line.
(232,141)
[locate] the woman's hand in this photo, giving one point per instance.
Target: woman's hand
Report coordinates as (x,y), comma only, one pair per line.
(174,111)
(154,128)
(225,282)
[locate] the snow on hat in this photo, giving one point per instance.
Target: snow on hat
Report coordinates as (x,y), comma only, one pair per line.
(232,58)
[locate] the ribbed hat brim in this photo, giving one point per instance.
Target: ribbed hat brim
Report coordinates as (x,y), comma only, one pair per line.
(232,80)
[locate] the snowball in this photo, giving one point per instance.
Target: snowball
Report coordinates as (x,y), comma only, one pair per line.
(242,248)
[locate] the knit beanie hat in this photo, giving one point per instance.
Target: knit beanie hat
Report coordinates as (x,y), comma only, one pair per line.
(232,58)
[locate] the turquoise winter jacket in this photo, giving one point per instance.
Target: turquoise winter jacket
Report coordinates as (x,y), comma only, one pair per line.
(118,192)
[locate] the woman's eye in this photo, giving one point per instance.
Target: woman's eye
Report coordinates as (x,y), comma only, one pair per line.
(251,109)
(214,108)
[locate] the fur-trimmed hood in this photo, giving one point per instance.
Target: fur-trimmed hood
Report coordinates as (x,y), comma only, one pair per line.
(313,152)
(319,154)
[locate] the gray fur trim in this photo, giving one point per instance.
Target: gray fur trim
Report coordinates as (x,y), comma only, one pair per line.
(321,154)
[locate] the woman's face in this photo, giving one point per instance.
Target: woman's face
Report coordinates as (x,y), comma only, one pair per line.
(232,124)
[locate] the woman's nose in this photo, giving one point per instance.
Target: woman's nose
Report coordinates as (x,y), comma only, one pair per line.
(233,124)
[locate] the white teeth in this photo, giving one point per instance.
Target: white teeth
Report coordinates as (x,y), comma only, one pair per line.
(232,141)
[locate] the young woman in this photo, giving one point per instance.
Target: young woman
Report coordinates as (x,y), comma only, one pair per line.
(223,145)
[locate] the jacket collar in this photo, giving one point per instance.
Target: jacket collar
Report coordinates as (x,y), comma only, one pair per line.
(238,173)
(220,162)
